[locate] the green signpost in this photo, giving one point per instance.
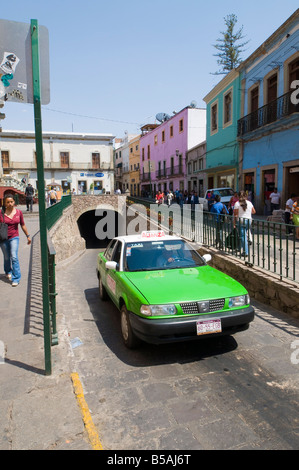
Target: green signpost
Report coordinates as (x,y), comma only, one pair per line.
(41,191)
(19,56)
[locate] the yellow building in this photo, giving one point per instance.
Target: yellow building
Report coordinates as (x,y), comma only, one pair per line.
(134,166)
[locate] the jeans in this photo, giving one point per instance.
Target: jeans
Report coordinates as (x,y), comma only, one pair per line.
(244,227)
(10,250)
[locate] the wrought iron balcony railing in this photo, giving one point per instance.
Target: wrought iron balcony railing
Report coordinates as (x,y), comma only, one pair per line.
(169,171)
(271,112)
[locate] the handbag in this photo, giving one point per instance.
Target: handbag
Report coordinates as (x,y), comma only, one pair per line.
(3,229)
(233,240)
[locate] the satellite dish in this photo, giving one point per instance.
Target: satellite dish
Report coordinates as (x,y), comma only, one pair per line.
(162,117)
(193,104)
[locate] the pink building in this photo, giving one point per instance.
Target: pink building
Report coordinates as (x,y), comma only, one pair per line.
(164,147)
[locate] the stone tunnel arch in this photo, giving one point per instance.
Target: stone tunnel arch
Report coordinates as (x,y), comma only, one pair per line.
(99,219)
(98,227)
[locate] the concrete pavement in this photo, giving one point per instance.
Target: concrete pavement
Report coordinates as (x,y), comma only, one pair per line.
(36,411)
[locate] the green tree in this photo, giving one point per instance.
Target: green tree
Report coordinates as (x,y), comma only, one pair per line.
(229,55)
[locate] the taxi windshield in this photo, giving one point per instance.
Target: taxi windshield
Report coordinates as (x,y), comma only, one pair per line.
(154,255)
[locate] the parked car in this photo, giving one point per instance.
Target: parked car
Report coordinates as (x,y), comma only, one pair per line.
(224,193)
(166,291)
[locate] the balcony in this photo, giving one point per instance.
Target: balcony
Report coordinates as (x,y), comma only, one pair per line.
(171,172)
(271,112)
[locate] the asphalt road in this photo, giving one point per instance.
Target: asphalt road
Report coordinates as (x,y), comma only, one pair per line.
(237,392)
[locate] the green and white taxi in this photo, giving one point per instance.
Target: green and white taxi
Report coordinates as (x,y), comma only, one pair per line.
(166,291)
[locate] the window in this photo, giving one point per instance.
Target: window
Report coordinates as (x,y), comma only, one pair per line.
(293,71)
(227,108)
(148,152)
(181,125)
(272,88)
(142,153)
(171,131)
(156,140)
(95,160)
(214,117)
(254,99)
(64,159)
(163,136)
(5,158)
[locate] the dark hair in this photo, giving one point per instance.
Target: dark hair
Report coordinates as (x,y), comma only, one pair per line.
(243,200)
(217,198)
(7,196)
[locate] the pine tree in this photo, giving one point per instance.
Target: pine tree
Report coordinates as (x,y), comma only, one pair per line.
(229,50)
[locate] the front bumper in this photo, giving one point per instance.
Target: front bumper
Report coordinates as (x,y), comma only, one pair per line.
(183,328)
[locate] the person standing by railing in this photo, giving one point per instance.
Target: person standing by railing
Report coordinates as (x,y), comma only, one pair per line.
(295,214)
(220,210)
(243,210)
(288,212)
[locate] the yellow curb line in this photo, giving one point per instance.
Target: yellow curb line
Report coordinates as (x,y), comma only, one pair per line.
(89,425)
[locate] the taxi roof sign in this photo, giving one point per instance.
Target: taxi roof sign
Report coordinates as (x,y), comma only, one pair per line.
(153,234)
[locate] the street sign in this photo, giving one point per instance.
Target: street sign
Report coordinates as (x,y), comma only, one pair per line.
(16,82)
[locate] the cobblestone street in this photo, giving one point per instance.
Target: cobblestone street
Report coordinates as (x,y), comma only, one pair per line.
(232,393)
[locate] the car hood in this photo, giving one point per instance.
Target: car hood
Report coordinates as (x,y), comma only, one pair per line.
(185,285)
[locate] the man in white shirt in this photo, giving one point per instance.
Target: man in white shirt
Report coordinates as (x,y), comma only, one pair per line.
(275,200)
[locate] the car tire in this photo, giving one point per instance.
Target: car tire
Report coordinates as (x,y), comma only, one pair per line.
(102,290)
(130,339)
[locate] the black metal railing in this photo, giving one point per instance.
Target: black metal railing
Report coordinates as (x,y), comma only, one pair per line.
(270,246)
(175,170)
(271,112)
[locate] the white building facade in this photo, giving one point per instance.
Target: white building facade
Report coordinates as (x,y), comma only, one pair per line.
(76,161)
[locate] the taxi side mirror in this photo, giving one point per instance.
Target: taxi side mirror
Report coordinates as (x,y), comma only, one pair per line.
(207,258)
(111,265)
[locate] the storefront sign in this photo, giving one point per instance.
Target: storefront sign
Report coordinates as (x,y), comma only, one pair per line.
(92,175)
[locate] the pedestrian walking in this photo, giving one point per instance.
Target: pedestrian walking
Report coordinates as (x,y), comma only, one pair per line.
(295,214)
(243,210)
(29,193)
(274,200)
(52,196)
(219,209)
(232,203)
(288,212)
(169,197)
(13,217)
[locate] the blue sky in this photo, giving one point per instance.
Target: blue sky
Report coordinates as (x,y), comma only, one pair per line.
(120,63)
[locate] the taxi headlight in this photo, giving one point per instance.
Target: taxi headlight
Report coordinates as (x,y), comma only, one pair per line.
(155,310)
(239,301)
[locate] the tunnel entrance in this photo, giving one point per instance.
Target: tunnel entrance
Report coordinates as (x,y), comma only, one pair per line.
(98,230)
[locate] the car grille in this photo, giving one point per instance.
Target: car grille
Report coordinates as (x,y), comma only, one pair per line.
(190,308)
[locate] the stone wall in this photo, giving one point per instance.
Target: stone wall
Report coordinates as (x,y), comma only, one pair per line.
(65,236)
(83,204)
(261,285)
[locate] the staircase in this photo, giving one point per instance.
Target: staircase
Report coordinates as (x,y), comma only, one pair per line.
(8,184)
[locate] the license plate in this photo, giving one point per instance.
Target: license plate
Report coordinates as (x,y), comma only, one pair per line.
(206,327)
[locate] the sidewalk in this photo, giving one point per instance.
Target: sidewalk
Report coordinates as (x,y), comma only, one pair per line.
(37,412)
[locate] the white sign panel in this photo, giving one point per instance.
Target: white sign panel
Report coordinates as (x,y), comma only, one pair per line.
(16,62)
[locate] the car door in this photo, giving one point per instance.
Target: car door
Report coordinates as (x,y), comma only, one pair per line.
(112,277)
(102,261)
